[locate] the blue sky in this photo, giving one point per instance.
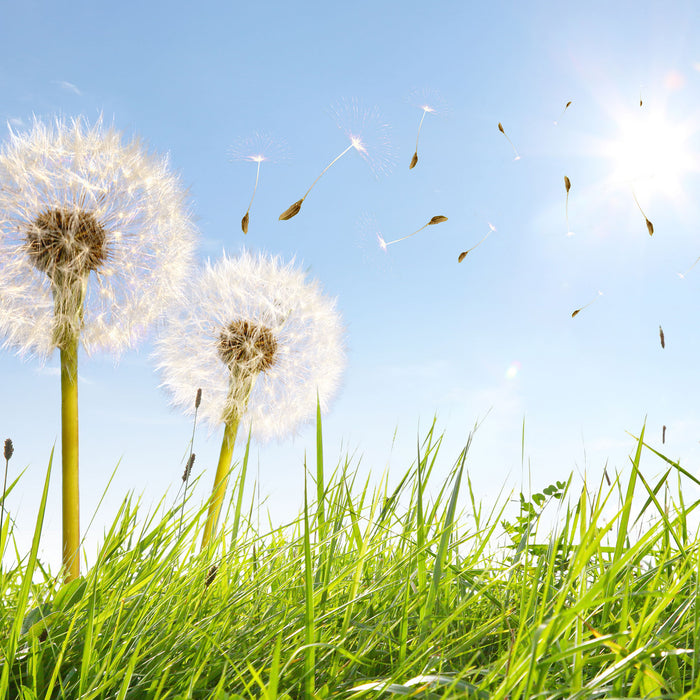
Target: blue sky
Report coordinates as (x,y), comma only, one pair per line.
(427,336)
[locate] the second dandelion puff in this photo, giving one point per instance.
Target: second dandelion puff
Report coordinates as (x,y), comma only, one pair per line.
(262,343)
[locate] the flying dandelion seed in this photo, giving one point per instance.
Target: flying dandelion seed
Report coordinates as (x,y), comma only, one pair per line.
(567,185)
(427,109)
(369,136)
(258,149)
(566,106)
(661,336)
(650,226)
(435,220)
(683,274)
(464,254)
(503,131)
(578,311)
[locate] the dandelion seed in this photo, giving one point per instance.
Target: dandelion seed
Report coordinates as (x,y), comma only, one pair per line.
(463,255)
(661,336)
(567,185)
(650,226)
(369,136)
(261,342)
(435,220)
(503,131)
(578,311)
(683,274)
(566,106)
(427,109)
(258,149)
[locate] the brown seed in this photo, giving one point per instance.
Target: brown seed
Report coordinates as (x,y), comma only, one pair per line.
(661,336)
(247,344)
(9,449)
(462,256)
(292,211)
(650,227)
(414,161)
(500,128)
(244,222)
(437,220)
(567,184)
(575,312)
(568,104)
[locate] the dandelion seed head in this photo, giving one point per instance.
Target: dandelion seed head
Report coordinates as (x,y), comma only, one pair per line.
(261,147)
(246,315)
(368,132)
(430,100)
(79,206)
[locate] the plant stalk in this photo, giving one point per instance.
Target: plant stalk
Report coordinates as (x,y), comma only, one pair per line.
(69,454)
(221,478)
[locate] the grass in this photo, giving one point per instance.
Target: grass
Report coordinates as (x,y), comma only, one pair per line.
(373,592)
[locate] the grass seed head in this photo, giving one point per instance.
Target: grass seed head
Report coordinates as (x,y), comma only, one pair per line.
(9,449)
(198,399)
(188,468)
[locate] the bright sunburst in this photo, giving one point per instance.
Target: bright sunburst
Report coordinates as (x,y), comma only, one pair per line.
(651,154)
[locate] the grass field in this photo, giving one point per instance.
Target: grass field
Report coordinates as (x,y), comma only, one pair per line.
(374,592)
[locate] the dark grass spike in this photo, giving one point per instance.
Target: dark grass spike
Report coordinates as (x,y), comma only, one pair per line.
(8,452)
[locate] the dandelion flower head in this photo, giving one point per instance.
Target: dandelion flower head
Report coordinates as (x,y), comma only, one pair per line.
(80,206)
(253,316)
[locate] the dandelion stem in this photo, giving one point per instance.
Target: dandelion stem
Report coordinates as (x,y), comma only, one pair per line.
(69,452)
(419,128)
(352,145)
(221,478)
(255,189)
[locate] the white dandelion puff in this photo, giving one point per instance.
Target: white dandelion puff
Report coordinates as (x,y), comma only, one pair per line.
(94,243)
(76,202)
(282,310)
(262,343)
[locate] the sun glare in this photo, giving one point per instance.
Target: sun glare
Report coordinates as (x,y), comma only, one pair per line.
(651,154)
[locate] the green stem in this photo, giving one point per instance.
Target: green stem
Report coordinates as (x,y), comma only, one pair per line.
(69,449)
(221,478)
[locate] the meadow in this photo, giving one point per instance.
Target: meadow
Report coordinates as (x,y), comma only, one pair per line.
(373,591)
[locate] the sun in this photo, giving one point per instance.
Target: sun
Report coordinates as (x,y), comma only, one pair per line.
(651,154)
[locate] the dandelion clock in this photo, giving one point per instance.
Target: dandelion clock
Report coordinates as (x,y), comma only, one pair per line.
(261,342)
(95,241)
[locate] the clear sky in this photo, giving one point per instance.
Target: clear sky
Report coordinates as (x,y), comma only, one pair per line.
(427,336)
